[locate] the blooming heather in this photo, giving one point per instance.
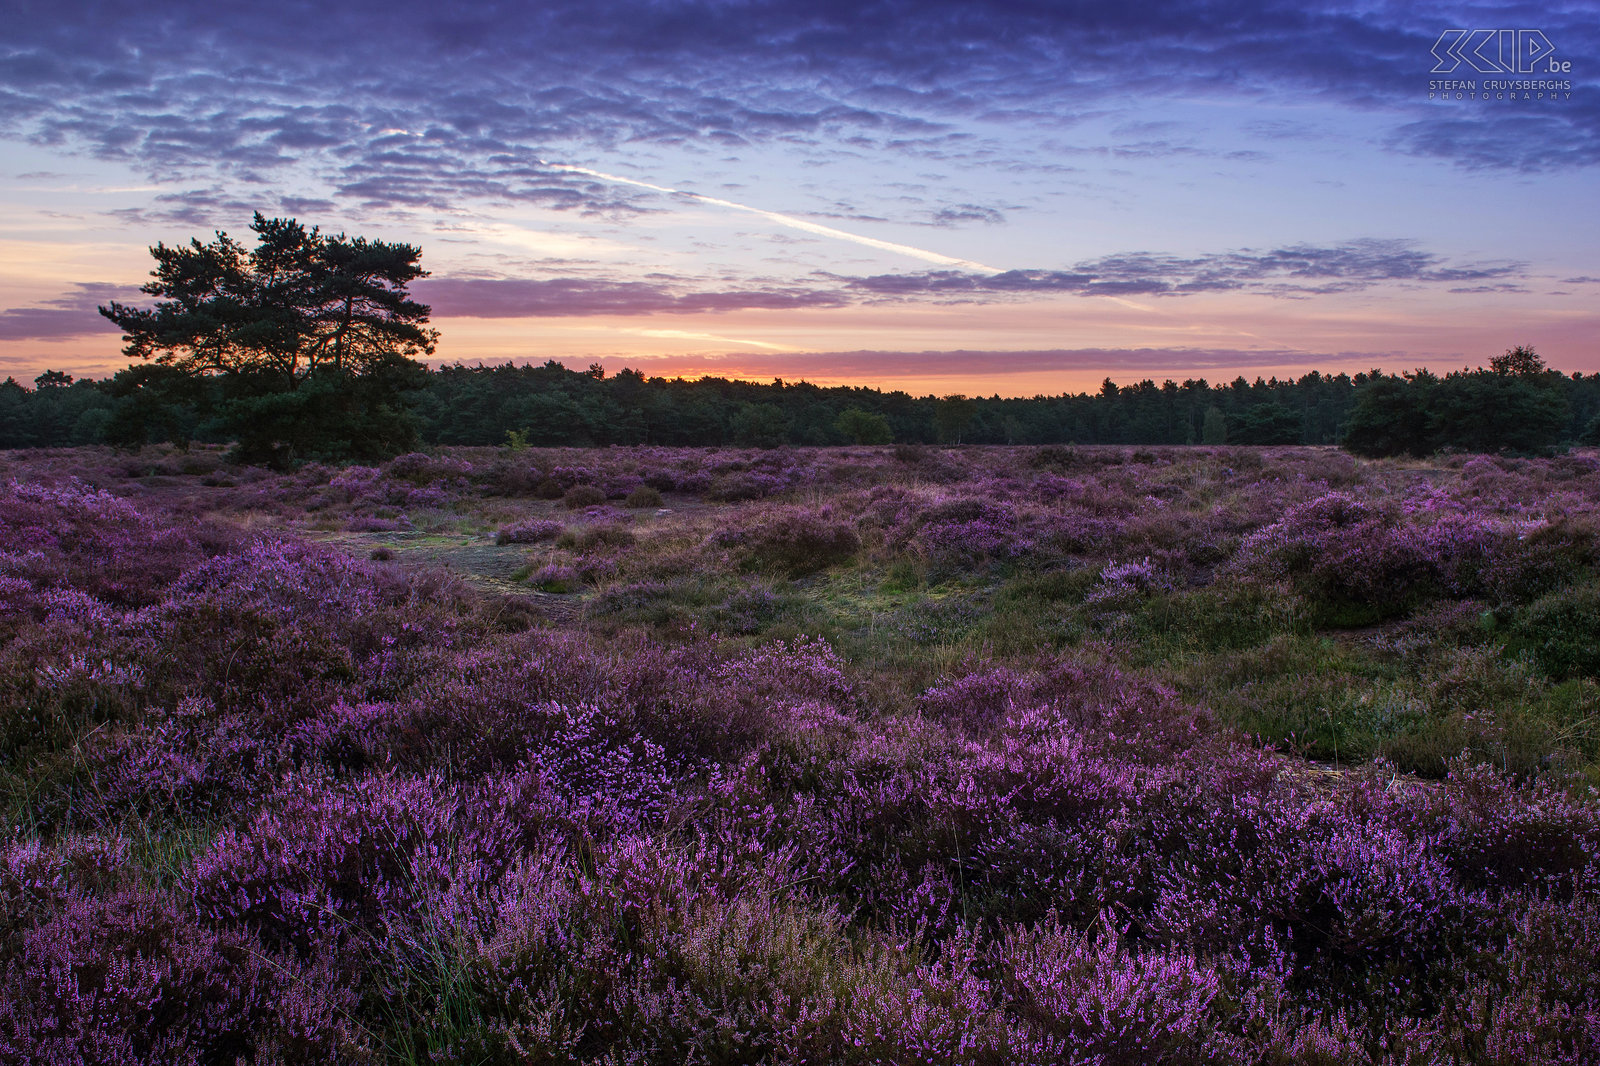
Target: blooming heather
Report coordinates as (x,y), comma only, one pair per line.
(833,760)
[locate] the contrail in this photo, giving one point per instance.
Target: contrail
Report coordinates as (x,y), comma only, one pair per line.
(681,334)
(788,220)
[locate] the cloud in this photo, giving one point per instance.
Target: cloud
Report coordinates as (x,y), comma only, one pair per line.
(243,91)
(580,297)
(961,214)
(1565,134)
(72,314)
(1289,271)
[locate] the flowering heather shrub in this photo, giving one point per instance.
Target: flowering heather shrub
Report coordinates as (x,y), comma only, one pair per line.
(979,701)
(1502,838)
(36,879)
(293,624)
(195,764)
(1102,1004)
(1124,584)
(338,866)
(1548,556)
(1129,710)
(556,578)
(965,531)
(419,468)
(131,978)
(69,536)
(355,481)
(745,485)
(366,524)
(532,532)
(1341,551)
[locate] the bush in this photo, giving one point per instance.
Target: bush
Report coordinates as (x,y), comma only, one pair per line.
(795,542)
(580,496)
(1056,456)
(644,496)
(529,533)
(911,454)
(1562,632)
(556,579)
(133,978)
(600,534)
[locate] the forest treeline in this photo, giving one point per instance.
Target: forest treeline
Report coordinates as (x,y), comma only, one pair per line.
(1515,405)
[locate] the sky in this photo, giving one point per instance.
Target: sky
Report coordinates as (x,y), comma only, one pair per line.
(1013,198)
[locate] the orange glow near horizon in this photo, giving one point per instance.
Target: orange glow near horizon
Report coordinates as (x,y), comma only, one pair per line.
(1015,349)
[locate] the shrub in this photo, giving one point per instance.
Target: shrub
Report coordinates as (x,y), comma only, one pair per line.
(580,496)
(529,532)
(644,496)
(420,469)
(966,530)
(598,534)
(132,978)
(1053,456)
(1358,563)
(556,578)
(1561,631)
(795,541)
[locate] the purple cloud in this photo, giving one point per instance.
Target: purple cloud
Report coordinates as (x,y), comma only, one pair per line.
(72,314)
(478,92)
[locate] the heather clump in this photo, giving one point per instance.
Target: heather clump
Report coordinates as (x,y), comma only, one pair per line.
(1360,562)
(1559,629)
(644,496)
(533,532)
(131,977)
(597,533)
(793,541)
(1125,584)
(421,469)
(963,532)
(1088,700)
(556,578)
(579,497)
(331,866)
(1097,1002)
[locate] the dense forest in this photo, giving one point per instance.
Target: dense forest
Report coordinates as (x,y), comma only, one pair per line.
(1512,407)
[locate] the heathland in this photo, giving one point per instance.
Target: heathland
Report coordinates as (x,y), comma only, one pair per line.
(858,755)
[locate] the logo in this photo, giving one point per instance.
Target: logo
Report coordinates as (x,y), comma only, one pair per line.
(1497,52)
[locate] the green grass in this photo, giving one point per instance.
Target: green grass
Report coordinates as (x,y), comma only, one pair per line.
(1417,682)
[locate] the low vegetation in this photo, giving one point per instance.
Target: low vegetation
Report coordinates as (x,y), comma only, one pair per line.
(855,755)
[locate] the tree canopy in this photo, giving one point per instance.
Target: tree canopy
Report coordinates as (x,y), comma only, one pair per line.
(550,404)
(1516,405)
(305,344)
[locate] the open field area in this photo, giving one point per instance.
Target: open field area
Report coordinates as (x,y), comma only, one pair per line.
(860,755)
